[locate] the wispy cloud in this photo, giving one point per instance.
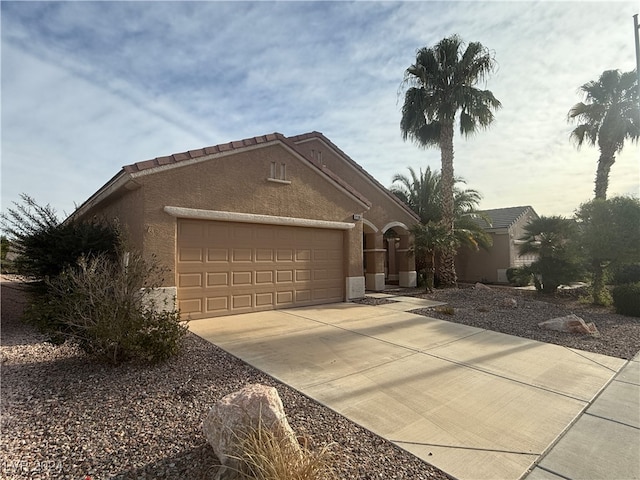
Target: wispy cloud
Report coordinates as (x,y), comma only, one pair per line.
(90,86)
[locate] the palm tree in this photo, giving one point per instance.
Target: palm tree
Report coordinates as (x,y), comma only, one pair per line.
(429,238)
(420,192)
(440,83)
(609,115)
(552,240)
(423,194)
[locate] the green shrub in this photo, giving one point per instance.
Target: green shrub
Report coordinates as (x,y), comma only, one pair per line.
(627,274)
(520,277)
(626,299)
(106,307)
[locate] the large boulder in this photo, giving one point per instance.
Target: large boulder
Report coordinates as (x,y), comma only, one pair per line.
(239,413)
(570,324)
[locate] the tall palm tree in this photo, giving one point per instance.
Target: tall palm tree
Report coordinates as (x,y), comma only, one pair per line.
(440,83)
(422,192)
(609,115)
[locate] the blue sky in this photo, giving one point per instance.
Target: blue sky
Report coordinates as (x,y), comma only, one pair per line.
(88,87)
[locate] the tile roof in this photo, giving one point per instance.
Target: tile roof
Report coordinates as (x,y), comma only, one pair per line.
(505,217)
(238,145)
(201,152)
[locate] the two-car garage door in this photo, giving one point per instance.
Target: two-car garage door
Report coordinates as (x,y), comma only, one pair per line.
(225,268)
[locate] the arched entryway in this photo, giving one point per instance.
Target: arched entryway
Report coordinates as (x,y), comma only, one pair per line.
(387,257)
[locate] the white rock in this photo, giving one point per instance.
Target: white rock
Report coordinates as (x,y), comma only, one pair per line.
(570,324)
(241,412)
(481,286)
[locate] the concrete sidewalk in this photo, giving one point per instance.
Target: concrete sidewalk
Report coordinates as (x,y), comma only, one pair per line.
(604,442)
(475,403)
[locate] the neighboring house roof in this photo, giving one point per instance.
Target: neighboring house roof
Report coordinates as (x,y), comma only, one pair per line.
(128,172)
(502,218)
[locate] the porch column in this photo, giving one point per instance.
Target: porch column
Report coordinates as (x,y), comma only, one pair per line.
(354,281)
(374,261)
(406,263)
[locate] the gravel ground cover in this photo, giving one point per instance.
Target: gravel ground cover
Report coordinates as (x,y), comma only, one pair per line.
(63,417)
(619,335)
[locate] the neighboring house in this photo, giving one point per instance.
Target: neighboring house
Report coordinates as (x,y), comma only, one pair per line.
(262,223)
(490,266)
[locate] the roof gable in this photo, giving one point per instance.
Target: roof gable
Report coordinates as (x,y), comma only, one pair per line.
(305,137)
(148,167)
(502,218)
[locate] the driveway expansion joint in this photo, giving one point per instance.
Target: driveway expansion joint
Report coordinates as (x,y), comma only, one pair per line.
(461,447)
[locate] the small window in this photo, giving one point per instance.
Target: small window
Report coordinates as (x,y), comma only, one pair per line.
(278,173)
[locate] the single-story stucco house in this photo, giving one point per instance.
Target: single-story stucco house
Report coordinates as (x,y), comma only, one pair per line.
(262,223)
(506,227)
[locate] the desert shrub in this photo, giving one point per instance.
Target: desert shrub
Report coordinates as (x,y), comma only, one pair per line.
(44,246)
(627,274)
(445,310)
(268,456)
(105,305)
(520,277)
(626,299)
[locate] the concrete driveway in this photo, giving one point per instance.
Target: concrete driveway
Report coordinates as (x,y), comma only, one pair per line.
(475,403)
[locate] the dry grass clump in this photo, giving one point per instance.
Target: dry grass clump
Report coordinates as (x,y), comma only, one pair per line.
(268,456)
(445,310)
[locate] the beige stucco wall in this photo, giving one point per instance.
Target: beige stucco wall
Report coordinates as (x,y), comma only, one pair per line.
(126,207)
(384,210)
(235,183)
(483,265)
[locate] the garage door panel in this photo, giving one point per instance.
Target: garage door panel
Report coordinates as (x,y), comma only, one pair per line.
(192,230)
(241,278)
(218,230)
(192,305)
(217,304)
(285,297)
(284,276)
(216,255)
(303,255)
(190,254)
(303,296)
(217,279)
(189,280)
(242,301)
(284,255)
(224,268)
(303,275)
(264,299)
(243,234)
(242,255)
(264,233)
(264,255)
(284,236)
(264,277)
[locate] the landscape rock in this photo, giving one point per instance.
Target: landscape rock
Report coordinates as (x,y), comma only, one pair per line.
(254,406)
(481,286)
(509,302)
(571,324)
